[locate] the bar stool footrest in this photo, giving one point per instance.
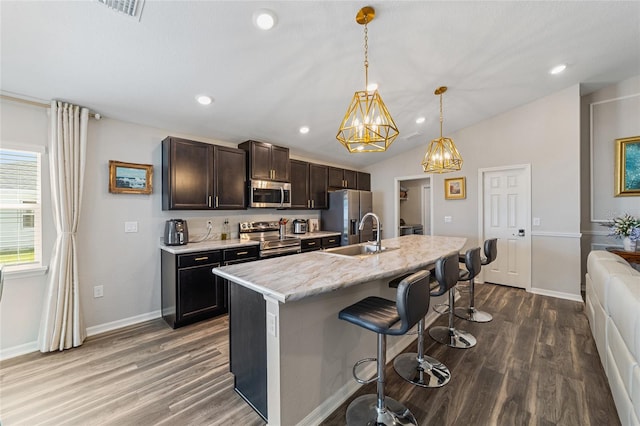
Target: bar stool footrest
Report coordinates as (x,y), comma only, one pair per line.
(357,364)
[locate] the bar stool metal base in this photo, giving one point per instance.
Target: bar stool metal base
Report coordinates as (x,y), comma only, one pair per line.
(452,337)
(472,314)
(363,411)
(430,373)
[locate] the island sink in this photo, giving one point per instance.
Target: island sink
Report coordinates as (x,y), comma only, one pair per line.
(358,250)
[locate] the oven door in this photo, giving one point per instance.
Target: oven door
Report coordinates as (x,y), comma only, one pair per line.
(269,194)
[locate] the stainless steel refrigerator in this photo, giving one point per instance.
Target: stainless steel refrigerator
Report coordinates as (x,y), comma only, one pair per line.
(346,208)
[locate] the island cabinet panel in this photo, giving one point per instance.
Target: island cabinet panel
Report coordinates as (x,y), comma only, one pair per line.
(190,290)
(248,346)
(201,176)
(342,178)
(299,184)
(187,174)
(267,161)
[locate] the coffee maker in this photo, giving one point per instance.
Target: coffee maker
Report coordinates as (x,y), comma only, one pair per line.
(176,232)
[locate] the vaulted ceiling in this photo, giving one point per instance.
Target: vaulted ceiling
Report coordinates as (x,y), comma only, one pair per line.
(493,56)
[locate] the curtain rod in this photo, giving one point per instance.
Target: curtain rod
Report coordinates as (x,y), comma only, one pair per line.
(41,104)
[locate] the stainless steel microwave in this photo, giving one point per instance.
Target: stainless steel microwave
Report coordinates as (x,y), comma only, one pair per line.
(263,193)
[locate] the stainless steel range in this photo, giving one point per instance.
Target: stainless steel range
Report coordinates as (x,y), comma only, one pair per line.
(271,243)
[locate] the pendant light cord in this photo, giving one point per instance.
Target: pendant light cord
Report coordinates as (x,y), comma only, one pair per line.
(366,55)
(441,116)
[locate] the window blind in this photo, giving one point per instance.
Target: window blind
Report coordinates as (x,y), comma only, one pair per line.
(20,207)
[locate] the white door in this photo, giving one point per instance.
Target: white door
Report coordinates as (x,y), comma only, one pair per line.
(426,210)
(505,211)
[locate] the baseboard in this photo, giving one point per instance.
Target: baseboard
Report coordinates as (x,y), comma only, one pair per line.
(97,329)
(27,348)
(557,294)
(325,409)
(15,351)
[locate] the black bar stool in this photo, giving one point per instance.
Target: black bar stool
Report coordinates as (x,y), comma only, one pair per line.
(471,313)
(416,367)
(386,317)
(447,273)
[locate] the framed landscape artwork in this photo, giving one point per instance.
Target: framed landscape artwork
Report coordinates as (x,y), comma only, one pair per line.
(455,189)
(627,177)
(130,178)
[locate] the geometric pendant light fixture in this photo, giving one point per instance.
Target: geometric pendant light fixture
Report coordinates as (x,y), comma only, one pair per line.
(442,155)
(367,126)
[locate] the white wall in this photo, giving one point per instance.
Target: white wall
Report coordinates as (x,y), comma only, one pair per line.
(127,265)
(607,114)
(545,134)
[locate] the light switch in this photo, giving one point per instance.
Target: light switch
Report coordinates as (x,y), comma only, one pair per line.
(536,221)
(131,227)
(448,219)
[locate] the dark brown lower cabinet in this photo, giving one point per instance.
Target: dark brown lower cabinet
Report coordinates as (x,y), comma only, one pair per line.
(190,290)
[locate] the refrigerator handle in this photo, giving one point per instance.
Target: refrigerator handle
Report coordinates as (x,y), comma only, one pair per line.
(353,228)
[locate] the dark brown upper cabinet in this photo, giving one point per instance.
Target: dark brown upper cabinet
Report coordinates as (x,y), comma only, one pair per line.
(202,176)
(342,178)
(299,184)
(266,161)
(308,185)
(363,181)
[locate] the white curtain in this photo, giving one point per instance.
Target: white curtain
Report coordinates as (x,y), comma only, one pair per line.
(62,325)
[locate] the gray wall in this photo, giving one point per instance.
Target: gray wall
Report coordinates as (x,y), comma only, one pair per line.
(545,134)
(606,115)
(126,264)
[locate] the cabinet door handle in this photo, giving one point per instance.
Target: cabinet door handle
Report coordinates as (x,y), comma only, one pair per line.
(332,241)
(312,243)
(308,204)
(313,204)
(209,202)
(201,258)
(216,201)
(240,253)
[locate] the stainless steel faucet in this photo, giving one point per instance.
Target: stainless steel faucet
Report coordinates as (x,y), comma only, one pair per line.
(378,234)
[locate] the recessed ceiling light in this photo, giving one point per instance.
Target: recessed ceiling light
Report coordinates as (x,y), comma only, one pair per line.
(264,19)
(558,69)
(204,99)
(420,120)
(372,87)
(304,130)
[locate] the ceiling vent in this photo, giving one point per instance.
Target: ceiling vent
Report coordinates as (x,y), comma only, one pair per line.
(132,8)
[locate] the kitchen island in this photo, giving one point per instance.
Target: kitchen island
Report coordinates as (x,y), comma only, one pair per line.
(290,354)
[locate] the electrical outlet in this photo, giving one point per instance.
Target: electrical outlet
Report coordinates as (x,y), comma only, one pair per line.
(209,224)
(536,221)
(272,322)
(131,227)
(98,291)
(448,219)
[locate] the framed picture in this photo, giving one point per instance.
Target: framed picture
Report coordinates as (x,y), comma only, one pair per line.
(130,178)
(455,189)
(627,178)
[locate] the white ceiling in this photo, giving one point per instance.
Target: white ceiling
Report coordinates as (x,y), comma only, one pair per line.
(493,56)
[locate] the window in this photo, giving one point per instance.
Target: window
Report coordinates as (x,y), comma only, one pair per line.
(20,208)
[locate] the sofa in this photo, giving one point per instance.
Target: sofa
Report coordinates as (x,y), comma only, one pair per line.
(613,308)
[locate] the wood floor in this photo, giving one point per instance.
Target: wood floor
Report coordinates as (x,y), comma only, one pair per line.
(535,364)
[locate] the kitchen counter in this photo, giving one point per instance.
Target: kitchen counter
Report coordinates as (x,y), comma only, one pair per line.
(208,245)
(290,355)
(308,274)
(317,234)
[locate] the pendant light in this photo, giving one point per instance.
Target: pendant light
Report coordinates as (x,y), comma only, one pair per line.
(367,126)
(442,155)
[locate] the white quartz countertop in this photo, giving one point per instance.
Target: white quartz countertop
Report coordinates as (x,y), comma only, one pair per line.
(317,234)
(296,277)
(208,245)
